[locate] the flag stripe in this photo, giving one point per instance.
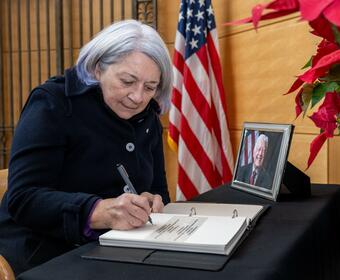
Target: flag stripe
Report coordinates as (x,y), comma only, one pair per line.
(216,66)
(196,124)
(198,153)
(196,96)
(192,169)
(245,158)
(248,145)
(221,104)
(190,190)
(216,122)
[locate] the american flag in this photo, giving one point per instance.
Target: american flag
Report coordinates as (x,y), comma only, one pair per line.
(248,145)
(198,127)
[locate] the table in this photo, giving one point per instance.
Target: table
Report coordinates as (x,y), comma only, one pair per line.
(294,239)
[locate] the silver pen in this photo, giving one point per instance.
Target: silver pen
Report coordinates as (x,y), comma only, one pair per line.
(129,188)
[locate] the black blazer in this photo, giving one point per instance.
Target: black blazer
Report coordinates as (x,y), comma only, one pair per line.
(63,159)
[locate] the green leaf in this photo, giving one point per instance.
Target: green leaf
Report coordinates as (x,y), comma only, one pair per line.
(336,34)
(338,127)
(334,73)
(306,97)
(308,64)
(320,90)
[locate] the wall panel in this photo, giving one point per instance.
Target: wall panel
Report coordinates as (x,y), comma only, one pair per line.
(333,159)
(261,69)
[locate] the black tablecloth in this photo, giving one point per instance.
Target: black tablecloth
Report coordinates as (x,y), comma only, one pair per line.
(294,239)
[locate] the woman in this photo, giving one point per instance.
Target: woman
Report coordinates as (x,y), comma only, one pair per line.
(64,187)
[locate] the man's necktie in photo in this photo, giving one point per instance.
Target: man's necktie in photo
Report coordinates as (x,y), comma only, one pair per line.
(252,177)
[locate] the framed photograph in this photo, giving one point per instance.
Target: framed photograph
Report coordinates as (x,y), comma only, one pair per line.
(261,158)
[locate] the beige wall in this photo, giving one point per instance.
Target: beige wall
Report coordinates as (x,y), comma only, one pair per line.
(259,67)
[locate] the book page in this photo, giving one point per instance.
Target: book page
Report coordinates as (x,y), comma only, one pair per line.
(178,228)
(213,209)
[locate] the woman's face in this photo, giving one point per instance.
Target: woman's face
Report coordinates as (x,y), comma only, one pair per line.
(129,85)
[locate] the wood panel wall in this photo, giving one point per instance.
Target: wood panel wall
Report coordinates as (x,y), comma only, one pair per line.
(258,68)
(29,52)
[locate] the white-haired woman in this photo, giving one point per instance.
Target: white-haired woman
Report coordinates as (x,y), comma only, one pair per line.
(64,187)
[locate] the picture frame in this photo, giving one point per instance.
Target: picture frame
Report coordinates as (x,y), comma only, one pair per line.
(262,158)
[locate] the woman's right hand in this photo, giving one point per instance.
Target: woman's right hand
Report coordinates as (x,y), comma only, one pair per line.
(125,212)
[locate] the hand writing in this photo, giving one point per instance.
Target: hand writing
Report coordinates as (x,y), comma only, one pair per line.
(155,201)
(125,212)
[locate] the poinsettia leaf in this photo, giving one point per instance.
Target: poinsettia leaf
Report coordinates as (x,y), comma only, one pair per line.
(308,64)
(336,34)
(334,73)
(321,88)
(318,93)
(306,97)
(315,147)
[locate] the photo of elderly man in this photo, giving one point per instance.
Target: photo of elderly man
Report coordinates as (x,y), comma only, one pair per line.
(254,173)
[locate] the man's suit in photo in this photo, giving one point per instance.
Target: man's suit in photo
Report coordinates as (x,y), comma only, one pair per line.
(263,180)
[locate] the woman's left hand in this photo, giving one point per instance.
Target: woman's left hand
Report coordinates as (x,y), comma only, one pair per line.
(155,201)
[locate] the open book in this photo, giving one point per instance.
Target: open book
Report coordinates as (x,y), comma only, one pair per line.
(191,227)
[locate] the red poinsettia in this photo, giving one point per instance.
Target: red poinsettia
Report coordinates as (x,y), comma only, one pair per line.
(327,56)
(311,10)
(325,118)
(322,80)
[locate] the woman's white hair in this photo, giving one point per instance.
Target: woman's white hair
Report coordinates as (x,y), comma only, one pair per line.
(120,39)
